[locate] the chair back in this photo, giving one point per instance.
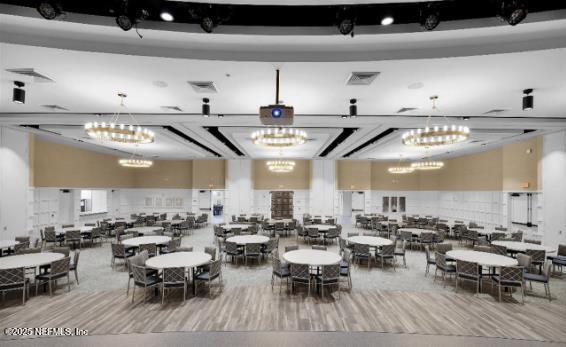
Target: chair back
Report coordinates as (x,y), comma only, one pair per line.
(252,248)
(319,248)
(388,250)
(300,271)
(497,236)
(151,248)
(486,249)
(291,248)
(546,268)
(537,256)
(211,251)
(518,236)
(60,266)
(12,277)
(427,237)
(231,247)
(342,244)
(63,250)
(524,260)
(513,274)
(67,226)
(96,233)
(501,250)
(406,235)
(76,257)
(353,234)
(443,247)
(276,264)
(561,250)
(534,242)
(361,248)
(236,231)
(467,268)
(138,272)
(50,235)
(172,245)
(118,249)
(215,268)
(72,235)
(21,246)
(173,275)
(440,260)
(313,232)
(346,256)
(29,251)
(330,272)
(184,249)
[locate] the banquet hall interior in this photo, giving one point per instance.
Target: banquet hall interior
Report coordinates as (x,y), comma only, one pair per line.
(283,173)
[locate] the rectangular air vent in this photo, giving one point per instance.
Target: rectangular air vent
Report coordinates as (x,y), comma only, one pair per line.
(496,111)
(171,108)
(55,107)
(361,78)
(407,109)
(37,77)
(203,86)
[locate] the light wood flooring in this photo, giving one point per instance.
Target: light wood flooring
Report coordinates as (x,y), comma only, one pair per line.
(257,308)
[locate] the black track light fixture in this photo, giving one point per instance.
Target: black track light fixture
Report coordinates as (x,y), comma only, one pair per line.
(207,24)
(513,11)
(50,9)
(19,95)
(205,108)
(528,100)
(346,20)
(430,16)
(130,15)
(353,108)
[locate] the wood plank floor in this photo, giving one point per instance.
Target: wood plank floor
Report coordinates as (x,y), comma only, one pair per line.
(258,309)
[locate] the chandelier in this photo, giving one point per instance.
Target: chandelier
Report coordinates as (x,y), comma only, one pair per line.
(281,166)
(427,165)
(436,135)
(279,137)
(136,163)
(119,132)
(400,169)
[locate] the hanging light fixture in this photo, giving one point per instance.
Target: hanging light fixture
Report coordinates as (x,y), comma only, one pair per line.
(400,169)
(281,166)
(279,137)
(120,132)
(427,165)
(135,163)
(436,135)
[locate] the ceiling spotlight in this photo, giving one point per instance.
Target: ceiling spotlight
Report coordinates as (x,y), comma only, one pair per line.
(205,108)
(220,116)
(124,22)
(166,16)
(19,95)
(128,17)
(513,11)
(207,24)
(353,108)
(430,17)
(388,20)
(466,118)
(344,116)
(346,21)
(528,100)
(49,9)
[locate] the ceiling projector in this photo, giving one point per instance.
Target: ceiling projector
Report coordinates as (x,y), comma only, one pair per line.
(277,114)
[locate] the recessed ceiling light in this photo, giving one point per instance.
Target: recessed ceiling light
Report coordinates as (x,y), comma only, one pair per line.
(416,85)
(387,20)
(160,84)
(166,16)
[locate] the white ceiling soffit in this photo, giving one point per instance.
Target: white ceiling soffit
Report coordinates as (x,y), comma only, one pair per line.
(299,44)
(303,2)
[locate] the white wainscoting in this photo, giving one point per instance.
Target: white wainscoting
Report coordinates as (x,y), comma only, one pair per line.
(155,200)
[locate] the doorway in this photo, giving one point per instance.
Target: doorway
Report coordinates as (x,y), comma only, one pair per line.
(218,204)
(347,204)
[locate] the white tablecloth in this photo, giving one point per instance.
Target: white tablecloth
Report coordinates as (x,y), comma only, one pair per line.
(372,241)
(244,239)
(311,257)
(29,260)
(178,259)
(144,230)
(136,241)
(482,258)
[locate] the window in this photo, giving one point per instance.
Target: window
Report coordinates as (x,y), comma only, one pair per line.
(93,201)
(393,204)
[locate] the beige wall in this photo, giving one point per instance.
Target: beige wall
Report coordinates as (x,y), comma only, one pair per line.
(520,168)
(353,174)
(209,174)
(56,165)
(299,178)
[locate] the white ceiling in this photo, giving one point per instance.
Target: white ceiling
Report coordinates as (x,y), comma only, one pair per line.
(301,2)
(87,82)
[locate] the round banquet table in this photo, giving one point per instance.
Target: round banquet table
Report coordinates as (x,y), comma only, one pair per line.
(371,241)
(5,244)
(321,227)
(312,257)
(245,239)
(170,221)
(29,260)
(143,230)
(482,258)
(284,221)
(83,229)
(136,241)
(523,246)
(188,260)
(417,232)
(229,227)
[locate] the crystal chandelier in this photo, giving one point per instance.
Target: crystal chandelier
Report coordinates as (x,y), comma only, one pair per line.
(281,166)
(135,163)
(119,132)
(400,169)
(279,137)
(436,135)
(427,165)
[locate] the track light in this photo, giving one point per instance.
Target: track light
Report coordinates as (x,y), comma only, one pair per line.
(50,9)
(387,20)
(346,21)
(129,16)
(528,100)
(19,95)
(513,11)
(430,17)
(207,24)
(205,108)
(353,108)
(166,16)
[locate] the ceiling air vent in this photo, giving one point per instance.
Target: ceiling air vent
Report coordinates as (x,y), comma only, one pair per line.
(361,78)
(55,107)
(203,86)
(37,77)
(407,109)
(496,111)
(171,108)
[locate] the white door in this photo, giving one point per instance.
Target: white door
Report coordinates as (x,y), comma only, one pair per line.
(358,202)
(347,204)
(66,206)
(204,201)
